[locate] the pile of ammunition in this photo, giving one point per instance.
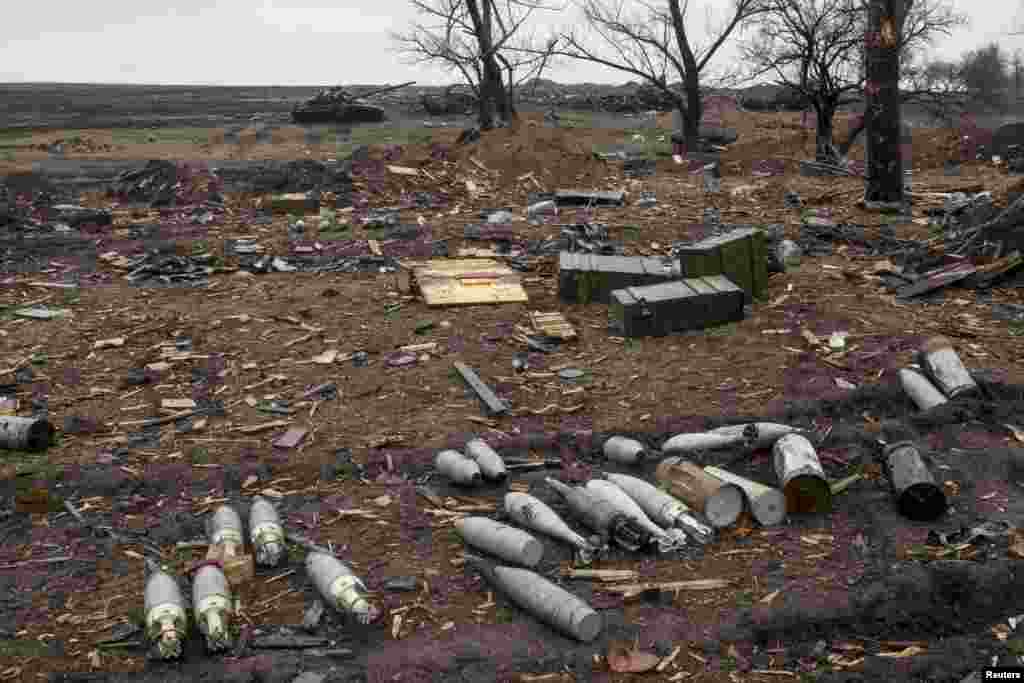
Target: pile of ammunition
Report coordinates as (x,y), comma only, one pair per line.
(213,601)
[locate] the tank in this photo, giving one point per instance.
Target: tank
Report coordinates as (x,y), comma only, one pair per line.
(335,105)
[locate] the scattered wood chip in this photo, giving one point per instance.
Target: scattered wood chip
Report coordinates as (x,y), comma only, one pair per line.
(177,403)
(108,343)
(622,659)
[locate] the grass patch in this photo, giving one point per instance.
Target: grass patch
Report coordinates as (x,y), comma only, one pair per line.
(721,330)
(575,119)
(161,136)
(23,647)
(12,138)
(1016,328)
(345,142)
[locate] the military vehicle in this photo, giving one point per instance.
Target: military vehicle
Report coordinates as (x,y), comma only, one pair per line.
(335,105)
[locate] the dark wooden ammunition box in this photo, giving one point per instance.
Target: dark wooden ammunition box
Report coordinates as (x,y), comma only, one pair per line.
(691,304)
(590,278)
(741,255)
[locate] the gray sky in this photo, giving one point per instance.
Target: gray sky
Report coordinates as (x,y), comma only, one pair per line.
(294,42)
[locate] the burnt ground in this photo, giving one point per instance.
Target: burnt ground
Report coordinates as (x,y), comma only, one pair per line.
(829,597)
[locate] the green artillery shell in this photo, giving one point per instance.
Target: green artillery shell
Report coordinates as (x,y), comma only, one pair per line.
(166,618)
(501,540)
(549,603)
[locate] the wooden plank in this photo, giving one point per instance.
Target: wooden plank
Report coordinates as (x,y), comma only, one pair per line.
(552,325)
(494,405)
(451,282)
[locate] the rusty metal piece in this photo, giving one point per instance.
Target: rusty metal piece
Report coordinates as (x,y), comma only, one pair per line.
(918,496)
(801,475)
(719,502)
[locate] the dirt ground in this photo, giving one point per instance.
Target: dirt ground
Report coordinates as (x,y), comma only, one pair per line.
(795,608)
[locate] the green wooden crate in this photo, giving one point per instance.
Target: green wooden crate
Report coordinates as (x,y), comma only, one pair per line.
(740,254)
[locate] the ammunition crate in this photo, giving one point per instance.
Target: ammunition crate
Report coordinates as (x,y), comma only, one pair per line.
(590,278)
(741,255)
(691,304)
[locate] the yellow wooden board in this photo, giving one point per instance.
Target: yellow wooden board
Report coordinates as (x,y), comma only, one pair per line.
(552,325)
(455,282)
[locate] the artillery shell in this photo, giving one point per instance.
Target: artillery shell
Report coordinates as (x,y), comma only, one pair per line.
(266,532)
(340,587)
(211,602)
(501,540)
(624,450)
(487,459)
(550,603)
(458,468)
(25,433)
(166,618)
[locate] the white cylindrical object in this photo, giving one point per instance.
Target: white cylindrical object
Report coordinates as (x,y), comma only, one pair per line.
(339,586)
(533,513)
(266,532)
(225,527)
(211,602)
(719,502)
(551,604)
(624,450)
(458,468)
(166,618)
(487,459)
(944,367)
(501,540)
(920,389)
(688,443)
(767,504)
(800,473)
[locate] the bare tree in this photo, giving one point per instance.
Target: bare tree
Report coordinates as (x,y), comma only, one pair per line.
(654,43)
(478,39)
(986,76)
(816,48)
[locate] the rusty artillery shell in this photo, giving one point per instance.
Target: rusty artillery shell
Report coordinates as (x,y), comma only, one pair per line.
(920,389)
(661,507)
(212,604)
(339,587)
(166,618)
(918,497)
(487,459)
(767,504)
(719,502)
(943,366)
(624,450)
(266,532)
(458,468)
(551,604)
(501,540)
(25,433)
(799,471)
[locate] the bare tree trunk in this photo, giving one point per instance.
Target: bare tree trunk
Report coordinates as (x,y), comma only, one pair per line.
(825,151)
(691,80)
(884,182)
(489,94)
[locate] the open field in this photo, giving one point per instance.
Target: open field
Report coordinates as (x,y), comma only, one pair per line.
(854,594)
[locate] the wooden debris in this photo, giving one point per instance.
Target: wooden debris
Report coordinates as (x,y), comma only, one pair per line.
(634,589)
(552,325)
(403,170)
(453,282)
(609,575)
(494,405)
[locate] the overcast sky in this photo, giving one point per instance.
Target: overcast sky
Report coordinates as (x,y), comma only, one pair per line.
(294,42)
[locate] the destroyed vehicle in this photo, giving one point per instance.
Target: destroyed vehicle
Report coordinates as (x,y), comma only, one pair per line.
(335,105)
